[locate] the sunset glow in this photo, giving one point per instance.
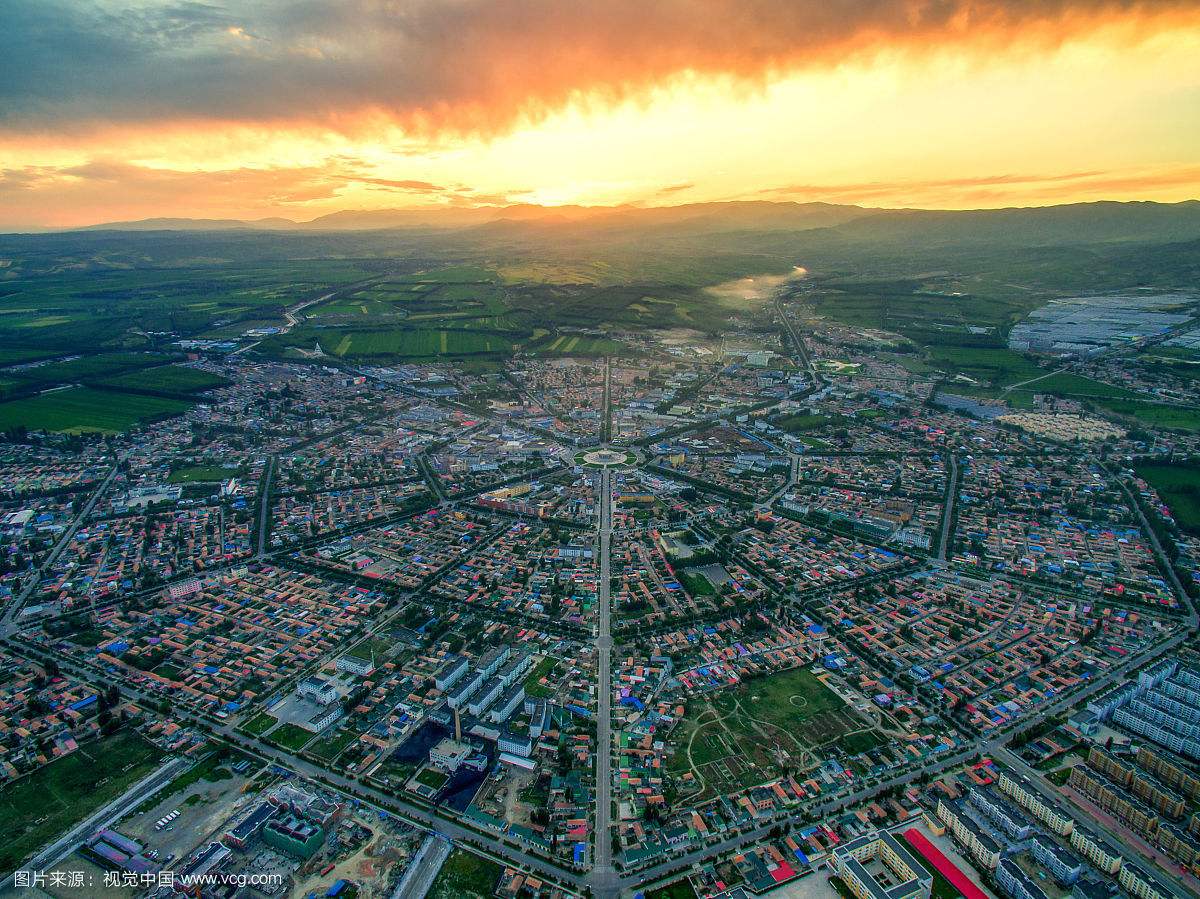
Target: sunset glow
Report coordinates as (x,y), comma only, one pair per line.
(990,105)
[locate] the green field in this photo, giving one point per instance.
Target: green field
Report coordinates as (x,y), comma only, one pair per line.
(108,296)
(696,583)
(680,889)
(259,724)
(87,368)
(432,778)
(1066,384)
(77,410)
(16,355)
(465,875)
(1178,483)
(408,343)
(1155,415)
(542,669)
(745,736)
(290,736)
(43,805)
(575,345)
(790,697)
(173,379)
(456,274)
(329,746)
(989,366)
(377,648)
(921,310)
(201,474)
(798,424)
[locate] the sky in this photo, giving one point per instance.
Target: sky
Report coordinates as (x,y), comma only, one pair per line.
(116,110)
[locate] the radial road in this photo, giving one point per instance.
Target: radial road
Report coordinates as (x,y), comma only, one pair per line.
(603,880)
(14,607)
(948,510)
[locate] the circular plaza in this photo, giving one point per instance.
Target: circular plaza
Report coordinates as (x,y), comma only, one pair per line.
(605,458)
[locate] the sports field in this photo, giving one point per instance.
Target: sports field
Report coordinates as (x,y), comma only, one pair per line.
(201,474)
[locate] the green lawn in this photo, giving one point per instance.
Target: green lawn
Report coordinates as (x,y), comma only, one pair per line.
(680,889)
(77,410)
(542,669)
(378,648)
(290,736)
(796,703)
(1059,777)
(328,746)
(1178,483)
(465,875)
(39,807)
(784,697)
(797,424)
(696,584)
(859,742)
(201,473)
(432,778)
(259,724)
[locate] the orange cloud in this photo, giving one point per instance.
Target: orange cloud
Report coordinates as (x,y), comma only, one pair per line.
(470,66)
(110,190)
(989,190)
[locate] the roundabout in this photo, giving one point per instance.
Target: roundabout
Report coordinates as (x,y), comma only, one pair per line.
(605,458)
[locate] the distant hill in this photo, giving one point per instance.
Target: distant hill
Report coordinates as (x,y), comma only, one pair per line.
(1073,224)
(756,215)
(183,224)
(752,215)
(1076,223)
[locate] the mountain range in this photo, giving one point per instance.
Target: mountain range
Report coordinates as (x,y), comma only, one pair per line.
(1072,223)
